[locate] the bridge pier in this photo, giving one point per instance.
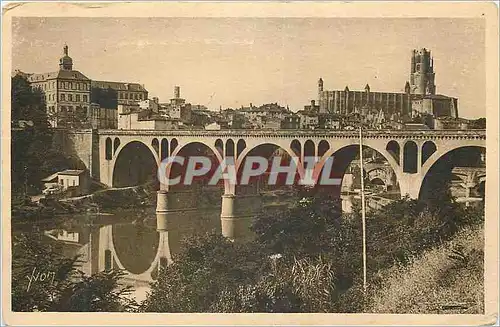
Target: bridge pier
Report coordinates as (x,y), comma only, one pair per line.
(237,215)
(178,200)
(410,184)
(169,243)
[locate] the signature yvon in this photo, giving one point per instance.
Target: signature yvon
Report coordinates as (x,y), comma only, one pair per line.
(47,277)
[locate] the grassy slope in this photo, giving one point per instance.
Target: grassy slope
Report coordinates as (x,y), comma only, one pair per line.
(445,279)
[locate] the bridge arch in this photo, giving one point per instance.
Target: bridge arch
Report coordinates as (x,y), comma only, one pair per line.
(188,150)
(240,146)
(267,150)
(230,148)
(394,150)
(219,145)
(108,151)
(323,146)
(342,159)
(309,149)
(296,147)
(156,145)
(410,157)
(136,247)
(135,163)
(164,149)
(116,144)
(428,148)
(437,170)
(173,145)
(114,244)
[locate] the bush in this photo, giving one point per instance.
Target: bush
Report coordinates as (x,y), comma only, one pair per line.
(445,279)
(206,268)
(63,287)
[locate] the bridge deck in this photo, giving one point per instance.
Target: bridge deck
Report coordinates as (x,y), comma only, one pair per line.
(481,134)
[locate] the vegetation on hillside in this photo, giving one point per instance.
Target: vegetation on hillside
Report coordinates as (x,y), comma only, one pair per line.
(445,279)
(303,259)
(32,154)
(308,259)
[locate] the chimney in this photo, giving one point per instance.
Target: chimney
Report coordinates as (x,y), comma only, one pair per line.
(312,104)
(177,92)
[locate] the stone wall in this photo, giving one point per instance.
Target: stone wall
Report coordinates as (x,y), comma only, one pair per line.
(82,146)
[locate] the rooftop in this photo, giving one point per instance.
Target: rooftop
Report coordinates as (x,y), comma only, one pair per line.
(119,86)
(62,74)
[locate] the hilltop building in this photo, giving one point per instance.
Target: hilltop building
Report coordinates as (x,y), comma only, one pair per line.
(126,93)
(66,92)
(74,100)
(419,97)
(177,108)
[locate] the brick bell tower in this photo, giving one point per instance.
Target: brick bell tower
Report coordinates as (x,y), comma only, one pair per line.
(422,72)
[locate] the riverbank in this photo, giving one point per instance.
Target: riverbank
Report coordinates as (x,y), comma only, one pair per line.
(128,197)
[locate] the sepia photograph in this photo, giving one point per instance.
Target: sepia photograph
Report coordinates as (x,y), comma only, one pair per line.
(242,163)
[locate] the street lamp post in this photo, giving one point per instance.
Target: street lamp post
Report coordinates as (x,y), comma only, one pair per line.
(363,209)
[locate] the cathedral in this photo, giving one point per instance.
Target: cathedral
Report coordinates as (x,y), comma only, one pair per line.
(418,99)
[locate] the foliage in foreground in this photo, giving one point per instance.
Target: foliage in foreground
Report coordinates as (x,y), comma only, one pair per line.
(306,259)
(446,279)
(44,280)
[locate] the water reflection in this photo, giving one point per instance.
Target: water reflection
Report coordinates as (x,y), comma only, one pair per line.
(137,241)
(129,240)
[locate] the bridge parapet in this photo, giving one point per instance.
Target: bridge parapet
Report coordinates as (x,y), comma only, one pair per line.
(389,134)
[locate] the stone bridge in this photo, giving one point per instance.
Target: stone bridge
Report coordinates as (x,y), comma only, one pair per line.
(120,158)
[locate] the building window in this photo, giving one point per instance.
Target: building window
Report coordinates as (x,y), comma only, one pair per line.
(61,85)
(85,98)
(120,95)
(70,108)
(137,96)
(63,97)
(78,98)
(73,183)
(70,97)
(66,85)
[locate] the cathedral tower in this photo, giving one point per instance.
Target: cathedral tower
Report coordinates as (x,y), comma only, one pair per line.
(422,73)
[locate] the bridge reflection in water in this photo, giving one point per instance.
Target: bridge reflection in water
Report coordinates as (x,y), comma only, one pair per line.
(138,242)
(129,240)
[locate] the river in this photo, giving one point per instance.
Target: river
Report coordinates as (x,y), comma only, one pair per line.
(128,239)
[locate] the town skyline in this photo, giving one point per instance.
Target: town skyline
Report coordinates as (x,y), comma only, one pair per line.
(240,54)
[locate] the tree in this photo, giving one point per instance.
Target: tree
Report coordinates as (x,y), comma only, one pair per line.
(307,258)
(45,280)
(207,267)
(32,155)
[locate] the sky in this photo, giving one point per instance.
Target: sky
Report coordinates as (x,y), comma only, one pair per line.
(232,62)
